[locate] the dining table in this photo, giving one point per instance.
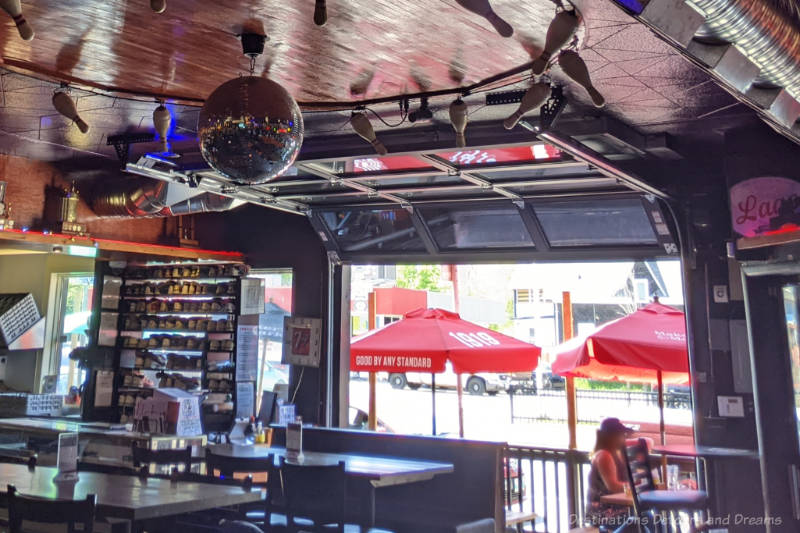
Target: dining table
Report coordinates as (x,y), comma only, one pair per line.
(377,471)
(128,499)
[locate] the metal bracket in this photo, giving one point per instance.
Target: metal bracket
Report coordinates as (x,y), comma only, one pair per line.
(122,143)
(551,109)
(334,259)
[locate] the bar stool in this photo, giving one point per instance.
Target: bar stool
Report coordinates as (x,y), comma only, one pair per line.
(648,501)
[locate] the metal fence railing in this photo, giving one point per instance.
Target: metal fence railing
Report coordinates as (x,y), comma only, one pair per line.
(594,405)
(548,482)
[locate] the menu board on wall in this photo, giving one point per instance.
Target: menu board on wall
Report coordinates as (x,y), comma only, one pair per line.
(765,205)
(252,300)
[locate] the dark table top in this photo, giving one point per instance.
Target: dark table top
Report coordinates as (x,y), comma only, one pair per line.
(128,497)
(380,471)
(690,450)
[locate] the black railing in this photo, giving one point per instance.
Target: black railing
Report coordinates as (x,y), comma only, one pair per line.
(551,404)
(548,482)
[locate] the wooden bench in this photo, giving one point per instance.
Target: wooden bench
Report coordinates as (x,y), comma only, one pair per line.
(515,519)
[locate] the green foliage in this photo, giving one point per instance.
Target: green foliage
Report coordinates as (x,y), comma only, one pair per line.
(420,277)
(591,384)
(76,295)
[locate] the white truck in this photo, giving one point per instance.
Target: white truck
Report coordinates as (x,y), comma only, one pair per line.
(477,384)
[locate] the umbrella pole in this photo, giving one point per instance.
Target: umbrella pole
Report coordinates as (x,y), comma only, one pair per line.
(460,406)
(433,403)
(571,394)
(662,429)
(372,417)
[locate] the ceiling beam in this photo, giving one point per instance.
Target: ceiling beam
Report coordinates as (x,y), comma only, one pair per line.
(335,179)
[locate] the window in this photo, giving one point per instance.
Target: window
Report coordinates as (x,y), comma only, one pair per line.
(465,228)
(278,293)
(596,223)
(73,301)
(374,230)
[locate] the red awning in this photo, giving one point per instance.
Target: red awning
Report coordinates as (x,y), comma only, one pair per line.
(424,339)
(632,348)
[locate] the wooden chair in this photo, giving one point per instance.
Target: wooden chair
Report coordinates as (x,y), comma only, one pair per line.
(144,457)
(45,511)
(228,467)
(314,493)
(648,499)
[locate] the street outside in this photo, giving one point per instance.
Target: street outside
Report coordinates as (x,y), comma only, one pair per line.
(486,417)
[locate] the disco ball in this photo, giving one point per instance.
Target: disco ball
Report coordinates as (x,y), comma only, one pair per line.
(250,130)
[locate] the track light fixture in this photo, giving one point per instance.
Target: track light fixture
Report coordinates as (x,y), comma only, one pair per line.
(484,9)
(14,10)
(458,118)
(559,32)
(66,107)
(363,127)
(162,120)
(320,12)
(533,98)
(159,6)
(574,67)
(423,113)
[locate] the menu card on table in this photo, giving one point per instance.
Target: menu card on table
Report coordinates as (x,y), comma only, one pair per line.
(67,461)
(294,442)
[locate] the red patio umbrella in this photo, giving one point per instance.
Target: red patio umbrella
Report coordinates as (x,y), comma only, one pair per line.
(425,339)
(648,346)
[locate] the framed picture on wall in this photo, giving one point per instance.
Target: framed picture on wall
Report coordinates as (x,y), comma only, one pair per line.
(302,341)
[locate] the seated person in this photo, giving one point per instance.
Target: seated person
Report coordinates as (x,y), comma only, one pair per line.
(608,475)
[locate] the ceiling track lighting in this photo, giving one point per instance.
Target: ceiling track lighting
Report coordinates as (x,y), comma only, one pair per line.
(159,6)
(320,12)
(423,113)
(559,33)
(532,99)
(66,107)
(363,127)
(458,118)
(14,10)
(484,9)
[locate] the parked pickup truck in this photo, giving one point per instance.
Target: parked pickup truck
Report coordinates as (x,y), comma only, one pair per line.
(477,384)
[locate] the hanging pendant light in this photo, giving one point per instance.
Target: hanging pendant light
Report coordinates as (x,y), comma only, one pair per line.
(320,12)
(66,107)
(574,67)
(14,10)
(532,99)
(363,127)
(559,32)
(459,119)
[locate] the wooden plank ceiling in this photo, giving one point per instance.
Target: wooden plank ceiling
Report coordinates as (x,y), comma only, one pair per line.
(367,49)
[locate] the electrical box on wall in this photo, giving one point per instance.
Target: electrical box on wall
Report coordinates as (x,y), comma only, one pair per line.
(730,406)
(2,367)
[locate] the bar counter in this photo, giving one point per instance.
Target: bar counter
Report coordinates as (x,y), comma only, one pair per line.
(100,442)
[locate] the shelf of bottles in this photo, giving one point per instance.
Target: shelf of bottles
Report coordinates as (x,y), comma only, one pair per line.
(177,328)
